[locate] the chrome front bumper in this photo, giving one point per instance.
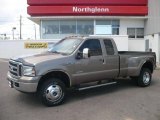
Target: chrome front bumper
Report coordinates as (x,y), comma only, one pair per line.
(24,84)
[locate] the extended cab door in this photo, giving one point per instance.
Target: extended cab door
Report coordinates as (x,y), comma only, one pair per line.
(92,68)
(111,58)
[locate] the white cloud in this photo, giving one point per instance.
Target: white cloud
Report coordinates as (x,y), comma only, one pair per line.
(10,11)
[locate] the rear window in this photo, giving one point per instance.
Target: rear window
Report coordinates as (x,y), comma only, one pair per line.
(109,47)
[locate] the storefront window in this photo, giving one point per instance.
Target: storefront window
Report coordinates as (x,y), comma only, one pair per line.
(57,29)
(115,31)
(115,27)
(115,23)
(85,27)
(51,27)
(67,27)
(103,22)
(107,27)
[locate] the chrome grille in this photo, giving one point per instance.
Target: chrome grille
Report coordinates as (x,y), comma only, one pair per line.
(15,68)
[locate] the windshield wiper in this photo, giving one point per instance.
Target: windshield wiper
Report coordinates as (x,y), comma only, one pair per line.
(56,52)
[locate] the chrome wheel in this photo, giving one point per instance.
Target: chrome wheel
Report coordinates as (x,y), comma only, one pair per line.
(146,78)
(53,93)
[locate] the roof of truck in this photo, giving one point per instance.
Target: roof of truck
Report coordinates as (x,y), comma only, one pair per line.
(91,36)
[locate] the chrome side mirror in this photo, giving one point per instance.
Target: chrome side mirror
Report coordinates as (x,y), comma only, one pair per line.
(86,53)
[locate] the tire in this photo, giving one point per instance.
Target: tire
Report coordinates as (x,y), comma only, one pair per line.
(145,77)
(52,92)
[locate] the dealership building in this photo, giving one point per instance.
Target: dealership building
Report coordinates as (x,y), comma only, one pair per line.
(134,24)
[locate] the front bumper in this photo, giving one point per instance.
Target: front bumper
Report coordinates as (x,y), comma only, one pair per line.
(24,84)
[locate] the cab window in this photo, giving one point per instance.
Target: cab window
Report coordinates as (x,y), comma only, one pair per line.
(94,47)
(109,47)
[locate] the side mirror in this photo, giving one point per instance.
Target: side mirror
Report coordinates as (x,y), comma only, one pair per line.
(86,53)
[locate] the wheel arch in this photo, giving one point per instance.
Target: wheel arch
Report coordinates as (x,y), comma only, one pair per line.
(147,64)
(56,74)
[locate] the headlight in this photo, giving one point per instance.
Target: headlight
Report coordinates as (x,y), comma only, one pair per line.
(29,71)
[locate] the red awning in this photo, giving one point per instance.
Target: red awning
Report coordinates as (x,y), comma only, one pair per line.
(88,2)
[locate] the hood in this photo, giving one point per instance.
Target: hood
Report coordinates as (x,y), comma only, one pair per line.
(37,58)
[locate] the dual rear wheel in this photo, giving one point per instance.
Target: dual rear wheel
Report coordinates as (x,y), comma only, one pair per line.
(145,77)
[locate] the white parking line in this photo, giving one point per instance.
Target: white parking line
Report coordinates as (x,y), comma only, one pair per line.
(3,60)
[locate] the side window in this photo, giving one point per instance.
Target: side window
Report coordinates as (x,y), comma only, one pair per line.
(135,32)
(109,47)
(94,47)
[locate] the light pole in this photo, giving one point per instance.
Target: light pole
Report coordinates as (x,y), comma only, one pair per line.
(20,27)
(35,32)
(14,28)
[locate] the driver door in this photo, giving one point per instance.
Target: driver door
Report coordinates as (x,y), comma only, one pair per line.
(88,70)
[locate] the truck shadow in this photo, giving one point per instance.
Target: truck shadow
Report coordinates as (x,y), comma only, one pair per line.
(31,100)
(122,84)
(73,95)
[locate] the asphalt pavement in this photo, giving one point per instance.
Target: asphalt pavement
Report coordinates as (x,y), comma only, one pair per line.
(123,101)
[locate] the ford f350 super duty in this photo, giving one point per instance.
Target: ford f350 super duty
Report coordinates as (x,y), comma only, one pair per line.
(74,62)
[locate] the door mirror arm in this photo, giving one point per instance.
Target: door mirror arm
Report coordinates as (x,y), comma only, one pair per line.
(79,55)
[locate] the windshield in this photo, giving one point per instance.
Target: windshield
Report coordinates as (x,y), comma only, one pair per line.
(65,46)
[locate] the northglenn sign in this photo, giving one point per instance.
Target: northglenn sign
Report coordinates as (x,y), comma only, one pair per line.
(87,10)
(90,10)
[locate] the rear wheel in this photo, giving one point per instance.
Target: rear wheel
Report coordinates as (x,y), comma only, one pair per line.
(145,77)
(52,92)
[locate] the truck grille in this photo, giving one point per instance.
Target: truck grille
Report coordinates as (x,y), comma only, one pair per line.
(15,68)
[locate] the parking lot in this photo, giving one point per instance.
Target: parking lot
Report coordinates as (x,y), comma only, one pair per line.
(123,101)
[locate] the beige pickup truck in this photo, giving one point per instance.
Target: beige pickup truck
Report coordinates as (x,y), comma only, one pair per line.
(80,63)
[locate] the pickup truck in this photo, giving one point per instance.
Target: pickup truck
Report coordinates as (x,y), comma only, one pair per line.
(80,63)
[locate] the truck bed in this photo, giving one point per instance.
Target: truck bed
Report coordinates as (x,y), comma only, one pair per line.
(135,53)
(130,61)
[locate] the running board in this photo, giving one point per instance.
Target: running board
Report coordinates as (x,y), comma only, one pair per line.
(95,86)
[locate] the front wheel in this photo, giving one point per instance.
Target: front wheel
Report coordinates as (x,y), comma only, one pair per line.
(52,92)
(145,77)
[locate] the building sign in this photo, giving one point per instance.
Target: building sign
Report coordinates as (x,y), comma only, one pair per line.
(35,45)
(87,7)
(90,9)
(87,10)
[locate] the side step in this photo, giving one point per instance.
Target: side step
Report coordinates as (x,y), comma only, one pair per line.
(95,86)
